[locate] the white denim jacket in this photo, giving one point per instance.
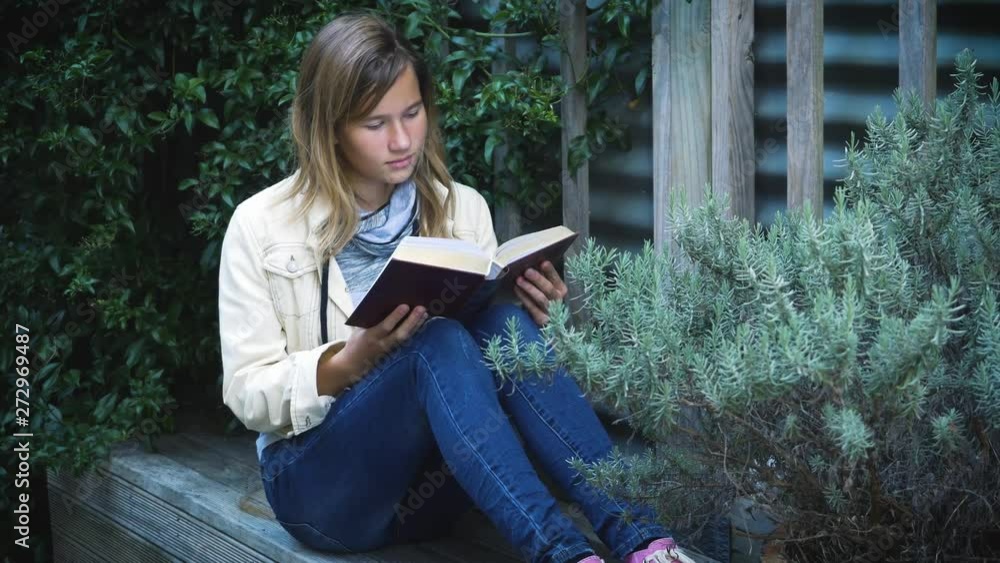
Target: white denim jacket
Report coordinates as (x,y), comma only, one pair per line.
(269,306)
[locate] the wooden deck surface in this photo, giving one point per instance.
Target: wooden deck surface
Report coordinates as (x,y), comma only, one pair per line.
(199,497)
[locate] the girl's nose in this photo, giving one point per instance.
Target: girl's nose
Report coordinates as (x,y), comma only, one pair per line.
(399,138)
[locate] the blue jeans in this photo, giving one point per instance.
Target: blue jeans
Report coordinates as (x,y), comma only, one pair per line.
(427,435)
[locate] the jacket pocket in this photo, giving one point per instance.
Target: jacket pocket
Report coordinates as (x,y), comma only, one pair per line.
(291,272)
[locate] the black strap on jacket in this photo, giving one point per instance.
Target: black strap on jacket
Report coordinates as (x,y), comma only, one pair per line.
(323,298)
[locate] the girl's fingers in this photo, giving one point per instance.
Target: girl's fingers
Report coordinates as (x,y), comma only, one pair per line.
(543,283)
(537,314)
(557,282)
(413,321)
(393,319)
(536,294)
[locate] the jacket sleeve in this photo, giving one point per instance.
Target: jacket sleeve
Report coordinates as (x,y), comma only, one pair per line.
(267,388)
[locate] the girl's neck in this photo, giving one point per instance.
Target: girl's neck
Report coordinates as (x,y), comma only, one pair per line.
(371,197)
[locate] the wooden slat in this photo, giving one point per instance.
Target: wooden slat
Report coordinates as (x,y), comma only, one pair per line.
(573,67)
(918,48)
(682,108)
(663,179)
(80,526)
(462,551)
(204,453)
(805,105)
(733,162)
(147,516)
(67,549)
(691,98)
(507,220)
(199,497)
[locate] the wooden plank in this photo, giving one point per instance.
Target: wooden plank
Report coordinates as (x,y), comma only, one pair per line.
(80,526)
(239,448)
(691,98)
(918,48)
(682,109)
(158,523)
(663,177)
(573,66)
(459,550)
(195,496)
(507,220)
(733,163)
(207,458)
(65,548)
(805,105)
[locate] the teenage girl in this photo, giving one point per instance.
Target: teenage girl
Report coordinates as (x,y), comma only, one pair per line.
(387,435)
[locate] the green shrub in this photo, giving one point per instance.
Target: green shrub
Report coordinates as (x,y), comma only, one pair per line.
(132,130)
(843,375)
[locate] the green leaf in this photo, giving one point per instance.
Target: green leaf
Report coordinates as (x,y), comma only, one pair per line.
(459,77)
(207,116)
(491,142)
(158,116)
(186,183)
(640,80)
(132,353)
(412,28)
(122,121)
(188,121)
(85,134)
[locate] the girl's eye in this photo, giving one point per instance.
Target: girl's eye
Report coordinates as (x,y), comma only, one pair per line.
(374,126)
(413,113)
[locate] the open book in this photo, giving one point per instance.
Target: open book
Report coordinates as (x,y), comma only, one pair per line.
(450,276)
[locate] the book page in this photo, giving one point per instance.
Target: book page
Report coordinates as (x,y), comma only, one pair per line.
(519,247)
(453,254)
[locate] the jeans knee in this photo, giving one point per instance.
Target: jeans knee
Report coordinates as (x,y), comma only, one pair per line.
(446,335)
(495,319)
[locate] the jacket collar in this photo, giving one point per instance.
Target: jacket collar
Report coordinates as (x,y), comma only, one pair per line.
(318,213)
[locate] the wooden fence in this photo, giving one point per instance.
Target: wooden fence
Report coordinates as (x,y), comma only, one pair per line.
(703,101)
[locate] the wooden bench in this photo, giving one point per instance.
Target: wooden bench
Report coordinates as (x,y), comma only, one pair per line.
(199,497)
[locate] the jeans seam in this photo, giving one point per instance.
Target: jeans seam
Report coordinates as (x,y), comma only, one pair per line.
(503,486)
(570,447)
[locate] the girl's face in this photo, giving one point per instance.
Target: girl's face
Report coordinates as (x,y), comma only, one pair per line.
(382,148)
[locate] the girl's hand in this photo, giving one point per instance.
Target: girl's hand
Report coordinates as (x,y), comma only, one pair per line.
(365,347)
(537,289)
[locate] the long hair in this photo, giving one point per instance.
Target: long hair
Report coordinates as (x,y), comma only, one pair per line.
(346,70)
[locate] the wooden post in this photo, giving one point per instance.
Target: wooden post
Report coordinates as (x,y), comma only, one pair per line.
(573,66)
(918,48)
(507,219)
(733,164)
(805,105)
(682,109)
(662,177)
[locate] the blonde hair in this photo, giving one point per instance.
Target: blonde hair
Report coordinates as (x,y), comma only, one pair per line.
(346,70)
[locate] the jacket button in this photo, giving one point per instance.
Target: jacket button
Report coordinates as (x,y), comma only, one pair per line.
(292,267)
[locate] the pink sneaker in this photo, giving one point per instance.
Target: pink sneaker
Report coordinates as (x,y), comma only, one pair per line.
(663,550)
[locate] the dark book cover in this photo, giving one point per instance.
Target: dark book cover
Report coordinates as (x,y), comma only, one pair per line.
(442,291)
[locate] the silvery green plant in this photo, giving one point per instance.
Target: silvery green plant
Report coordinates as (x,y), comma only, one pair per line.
(842,374)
